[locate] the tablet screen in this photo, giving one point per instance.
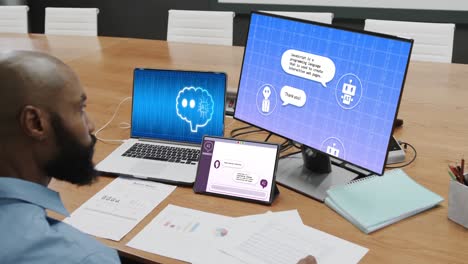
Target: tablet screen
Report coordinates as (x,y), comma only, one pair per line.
(237,168)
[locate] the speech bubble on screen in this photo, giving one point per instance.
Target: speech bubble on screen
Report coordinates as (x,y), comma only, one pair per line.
(234,164)
(245,177)
(309,66)
(293,96)
(195,106)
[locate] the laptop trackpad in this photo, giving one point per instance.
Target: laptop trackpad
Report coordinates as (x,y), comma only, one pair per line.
(147,168)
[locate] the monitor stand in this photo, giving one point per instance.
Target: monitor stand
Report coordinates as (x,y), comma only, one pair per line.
(311,173)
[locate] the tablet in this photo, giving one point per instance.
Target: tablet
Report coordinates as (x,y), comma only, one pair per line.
(239,169)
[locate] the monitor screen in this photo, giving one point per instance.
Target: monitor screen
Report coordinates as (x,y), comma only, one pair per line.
(333,89)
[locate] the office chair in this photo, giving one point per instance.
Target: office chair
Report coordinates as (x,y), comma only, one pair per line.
(14,19)
(71,21)
(432,41)
(13,2)
(325,18)
(207,27)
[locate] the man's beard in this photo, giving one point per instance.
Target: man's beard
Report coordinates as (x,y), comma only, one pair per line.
(73,161)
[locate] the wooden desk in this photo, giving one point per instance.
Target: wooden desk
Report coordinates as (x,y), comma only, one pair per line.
(434,108)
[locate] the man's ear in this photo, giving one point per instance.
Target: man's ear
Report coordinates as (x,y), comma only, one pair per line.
(34,122)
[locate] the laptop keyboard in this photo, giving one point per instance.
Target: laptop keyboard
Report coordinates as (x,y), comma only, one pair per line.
(163,153)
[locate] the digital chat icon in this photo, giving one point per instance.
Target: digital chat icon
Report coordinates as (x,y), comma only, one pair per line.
(264,183)
(208,146)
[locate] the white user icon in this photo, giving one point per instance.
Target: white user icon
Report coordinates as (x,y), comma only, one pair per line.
(266,101)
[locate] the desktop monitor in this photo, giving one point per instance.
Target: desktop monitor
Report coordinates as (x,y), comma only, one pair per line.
(332,89)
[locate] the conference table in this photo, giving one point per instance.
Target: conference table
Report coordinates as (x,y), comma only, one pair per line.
(434,108)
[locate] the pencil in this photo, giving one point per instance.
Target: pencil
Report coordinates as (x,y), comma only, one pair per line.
(463,167)
(457,174)
(451,176)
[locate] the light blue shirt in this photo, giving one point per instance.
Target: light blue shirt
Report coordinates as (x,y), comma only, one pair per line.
(28,235)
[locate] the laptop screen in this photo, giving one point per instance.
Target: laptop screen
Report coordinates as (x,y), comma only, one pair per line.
(177,105)
(237,168)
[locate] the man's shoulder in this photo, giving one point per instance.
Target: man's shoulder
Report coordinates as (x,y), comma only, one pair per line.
(90,250)
(72,235)
(35,238)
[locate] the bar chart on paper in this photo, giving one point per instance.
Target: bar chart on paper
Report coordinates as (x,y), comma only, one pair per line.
(188,227)
(177,227)
(185,222)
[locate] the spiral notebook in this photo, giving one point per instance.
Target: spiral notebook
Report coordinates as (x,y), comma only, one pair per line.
(377,201)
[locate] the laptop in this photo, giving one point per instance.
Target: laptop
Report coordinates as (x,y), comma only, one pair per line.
(171,112)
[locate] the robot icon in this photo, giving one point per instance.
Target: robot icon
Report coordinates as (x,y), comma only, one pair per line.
(332,150)
(349,91)
(334,147)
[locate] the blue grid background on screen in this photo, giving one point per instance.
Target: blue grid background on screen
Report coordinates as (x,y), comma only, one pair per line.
(154,112)
(380,64)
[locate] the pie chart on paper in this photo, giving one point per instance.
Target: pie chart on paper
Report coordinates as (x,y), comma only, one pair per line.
(221,232)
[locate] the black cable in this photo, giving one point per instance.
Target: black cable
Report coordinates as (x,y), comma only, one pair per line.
(246,132)
(288,144)
(294,144)
(285,148)
(285,143)
(239,129)
(290,154)
(405,144)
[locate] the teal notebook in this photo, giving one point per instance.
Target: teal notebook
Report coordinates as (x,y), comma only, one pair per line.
(377,201)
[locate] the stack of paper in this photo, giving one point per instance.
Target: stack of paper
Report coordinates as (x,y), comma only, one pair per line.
(273,238)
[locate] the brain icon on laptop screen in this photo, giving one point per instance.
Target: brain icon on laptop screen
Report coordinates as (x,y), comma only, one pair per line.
(195,106)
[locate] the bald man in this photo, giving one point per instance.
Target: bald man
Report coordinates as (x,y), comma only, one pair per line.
(45,133)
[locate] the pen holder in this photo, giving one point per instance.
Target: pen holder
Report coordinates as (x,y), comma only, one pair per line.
(458,203)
